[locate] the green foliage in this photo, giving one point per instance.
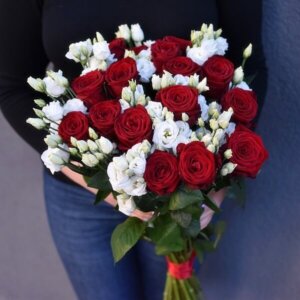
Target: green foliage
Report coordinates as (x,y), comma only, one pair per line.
(150,202)
(183,198)
(125,236)
(166,235)
(101,195)
(99,180)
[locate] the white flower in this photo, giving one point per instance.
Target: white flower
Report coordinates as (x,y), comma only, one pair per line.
(219,137)
(124,32)
(167,79)
(53,111)
(230,129)
(213,107)
(137,34)
(126,204)
(145,68)
(145,53)
(51,155)
(120,162)
(93,147)
(40,102)
(81,51)
(36,123)
(52,88)
(155,110)
(81,145)
(138,187)
(105,145)
(165,134)
(124,105)
(118,178)
(238,76)
(58,78)
(181,80)
(222,46)
(148,43)
(228,154)
(204,107)
(37,84)
(101,50)
(74,105)
(244,86)
(201,54)
(202,86)
(206,139)
(138,165)
(184,128)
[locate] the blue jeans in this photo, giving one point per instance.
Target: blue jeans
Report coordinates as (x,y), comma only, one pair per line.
(82,232)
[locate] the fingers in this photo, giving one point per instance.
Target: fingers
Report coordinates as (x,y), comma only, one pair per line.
(144,216)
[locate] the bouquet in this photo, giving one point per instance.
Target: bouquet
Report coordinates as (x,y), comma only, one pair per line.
(159,124)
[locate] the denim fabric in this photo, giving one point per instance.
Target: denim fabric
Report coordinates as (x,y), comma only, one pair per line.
(82,232)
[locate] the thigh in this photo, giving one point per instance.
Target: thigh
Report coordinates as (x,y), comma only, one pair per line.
(82,234)
(153,271)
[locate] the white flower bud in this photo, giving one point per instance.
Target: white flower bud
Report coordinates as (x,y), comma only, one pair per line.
(206,139)
(129,53)
(127,94)
(211,148)
(73,141)
(53,111)
(202,86)
(36,123)
(248,51)
(92,134)
(39,113)
(141,100)
(126,204)
(89,160)
(167,80)
(37,84)
(238,76)
(228,154)
(184,117)
(213,107)
(101,50)
(58,78)
(169,115)
(120,163)
(228,168)
(194,80)
(40,102)
(105,144)
(92,146)
(82,146)
(100,156)
(225,117)
(213,124)
(200,122)
(145,146)
(137,34)
(53,140)
(99,37)
(156,82)
(73,151)
(56,159)
(124,32)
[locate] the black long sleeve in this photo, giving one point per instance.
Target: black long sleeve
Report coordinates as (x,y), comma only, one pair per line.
(241,22)
(21,55)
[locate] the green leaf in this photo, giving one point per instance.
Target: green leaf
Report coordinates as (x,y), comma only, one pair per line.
(182,218)
(101,195)
(166,235)
(149,202)
(219,230)
(125,236)
(181,199)
(237,191)
(194,228)
(99,180)
(209,202)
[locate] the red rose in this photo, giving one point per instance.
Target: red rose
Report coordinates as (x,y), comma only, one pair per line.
(219,72)
(162,51)
(161,174)
(103,116)
(197,165)
(181,65)
(183,44)
(132,127)
(138,49)
(117,47)
(74,124)
(118,75)
(180,99)
(244,104)
(248,151)
(89,87)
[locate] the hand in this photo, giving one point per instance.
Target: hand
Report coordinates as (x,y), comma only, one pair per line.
(217,198)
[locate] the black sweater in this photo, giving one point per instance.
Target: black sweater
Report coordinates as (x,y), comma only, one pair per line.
(36,32)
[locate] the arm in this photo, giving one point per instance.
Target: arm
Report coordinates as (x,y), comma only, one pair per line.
(21,55)
(241,22)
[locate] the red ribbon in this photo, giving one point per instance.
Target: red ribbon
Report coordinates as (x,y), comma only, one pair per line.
(182,270)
